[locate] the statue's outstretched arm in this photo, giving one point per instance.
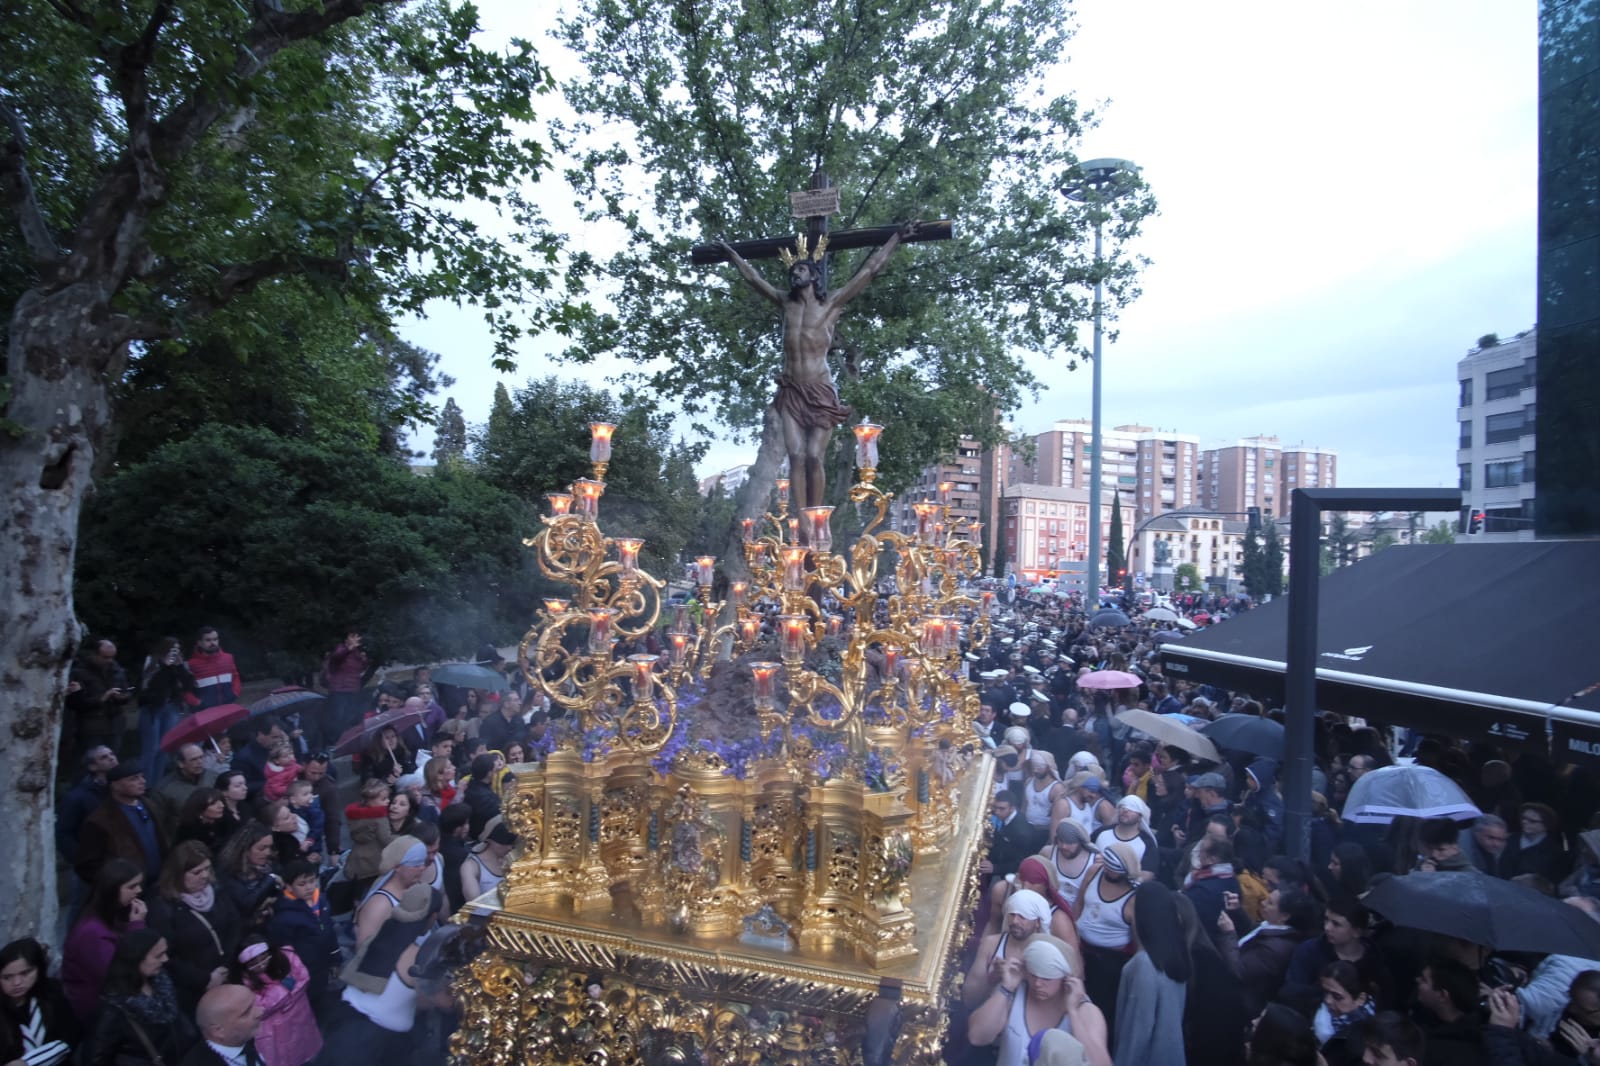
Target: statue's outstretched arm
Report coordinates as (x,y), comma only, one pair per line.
(870,269)
(757,282)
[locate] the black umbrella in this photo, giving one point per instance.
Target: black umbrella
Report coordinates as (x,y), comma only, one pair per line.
(279,698)
(1102,619)
(1247,732)
(359,736)
(470,675)
(1480,909)
(1165,636)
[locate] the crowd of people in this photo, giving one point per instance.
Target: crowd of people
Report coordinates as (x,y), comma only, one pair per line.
(253,898)
(1140,899)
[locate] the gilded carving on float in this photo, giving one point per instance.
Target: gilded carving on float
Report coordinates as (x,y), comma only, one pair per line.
(743,905)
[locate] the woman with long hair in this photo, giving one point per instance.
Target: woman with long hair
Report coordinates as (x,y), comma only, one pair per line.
(201,925)
(386,758)
(1349,870)
(38,1026)
(479,792)
(163,684)
(288,1035)
(1151,993)
(245,870)
(1280,1036)
(235,789)
(402,814)
(114,908)
(1214,1012)
(438,789)
(140,1019)
(204,817)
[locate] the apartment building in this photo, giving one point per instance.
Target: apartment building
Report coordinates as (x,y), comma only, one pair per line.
(1496,447)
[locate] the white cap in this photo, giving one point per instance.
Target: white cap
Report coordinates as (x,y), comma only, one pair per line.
(1031,669)
(1020,710)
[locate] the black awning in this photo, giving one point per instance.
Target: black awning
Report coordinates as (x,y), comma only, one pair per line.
(1465,639)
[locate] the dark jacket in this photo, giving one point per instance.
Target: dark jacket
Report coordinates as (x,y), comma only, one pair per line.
(202,1055)
(1214,1013)
(497,733)
(251,761)
(1516,1047)
(1457,1043)
(60,1023)
(1012,843)
(73,810)
(108,834)
(1546,858)
(296,923)
(166,684)
(1206,894)
(1302,988)
(484,805)
(1260,965)
(114,1039)
(247,894)
(192,951)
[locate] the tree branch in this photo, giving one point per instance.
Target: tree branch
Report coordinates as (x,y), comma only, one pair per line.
(17,184)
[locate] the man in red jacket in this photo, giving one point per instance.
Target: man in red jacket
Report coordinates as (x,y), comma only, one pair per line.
(216,679)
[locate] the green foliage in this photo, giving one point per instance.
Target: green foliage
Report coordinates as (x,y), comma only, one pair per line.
(997,544)
(1384,539)
(285,544)
(450,436)
(1272,563)
(1443,533)
(916,110)
(538,442)
(1253,570)
(1116,557)
(1186,578)
(1340,541)
(710,532)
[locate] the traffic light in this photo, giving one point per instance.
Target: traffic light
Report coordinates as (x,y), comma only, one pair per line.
(1475,524)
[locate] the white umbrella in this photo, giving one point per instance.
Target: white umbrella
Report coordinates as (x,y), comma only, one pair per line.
(1167,730)
(1381,796)
(1161,614)
(1184,623)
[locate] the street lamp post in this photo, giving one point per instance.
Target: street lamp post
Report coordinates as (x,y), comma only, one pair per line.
(1095,183)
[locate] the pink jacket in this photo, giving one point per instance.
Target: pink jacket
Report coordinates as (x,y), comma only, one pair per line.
(289,1035)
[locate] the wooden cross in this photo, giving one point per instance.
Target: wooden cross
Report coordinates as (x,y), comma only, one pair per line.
(814,205)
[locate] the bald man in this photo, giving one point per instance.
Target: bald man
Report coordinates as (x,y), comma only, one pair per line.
(228,1019)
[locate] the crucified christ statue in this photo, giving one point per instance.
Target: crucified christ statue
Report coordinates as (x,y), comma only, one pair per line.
(808,404)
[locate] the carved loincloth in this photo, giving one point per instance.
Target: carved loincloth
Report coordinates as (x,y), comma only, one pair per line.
(814,405)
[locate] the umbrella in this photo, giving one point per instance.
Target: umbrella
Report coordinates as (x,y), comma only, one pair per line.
(357,737)
(1480,909)
(1202,617)
(1171,733)
(279,698)
(1247,732)
(1414,791)
(1108,617)
(1109,679)
(470,675)
(1161,614)
(1184,623)
(1166,635)
(203,725)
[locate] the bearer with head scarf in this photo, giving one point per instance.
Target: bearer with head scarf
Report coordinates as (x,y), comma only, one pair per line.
(1037,994)
(1132,827)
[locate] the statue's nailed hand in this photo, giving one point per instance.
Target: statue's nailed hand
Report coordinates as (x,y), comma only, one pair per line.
(910,229)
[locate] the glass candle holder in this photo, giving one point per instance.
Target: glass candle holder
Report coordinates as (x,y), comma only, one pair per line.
(792,636)
(677,647)
(817,528)
(600,441)
(938,531)
(794,531)
(867,434)
(975,534)
(945,488)
(952,635)
(600,619)
(793,558)
(932,640)
(925,511)
(705,571)
(680,618)
(835,625)
(783,492)
(891,662)
(766,684)
(628,553)
(644,678)
(749,630)
(736,592)
(588,493)
(747,526)
(985,601)
(554,605)
(560,502)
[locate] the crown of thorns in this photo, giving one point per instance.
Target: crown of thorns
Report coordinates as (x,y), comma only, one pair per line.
(789,258)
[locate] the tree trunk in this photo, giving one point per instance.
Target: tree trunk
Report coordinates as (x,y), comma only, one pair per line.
(58,362)
(750,502)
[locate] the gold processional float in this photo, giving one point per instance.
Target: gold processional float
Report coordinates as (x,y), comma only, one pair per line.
(799,895)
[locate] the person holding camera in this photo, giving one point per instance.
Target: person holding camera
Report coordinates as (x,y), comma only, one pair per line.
(98,694)
(165,683)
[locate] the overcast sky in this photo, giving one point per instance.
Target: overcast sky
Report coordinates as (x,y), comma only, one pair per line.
(1348,201)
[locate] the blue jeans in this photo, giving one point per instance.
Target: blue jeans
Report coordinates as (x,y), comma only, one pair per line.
(155,723)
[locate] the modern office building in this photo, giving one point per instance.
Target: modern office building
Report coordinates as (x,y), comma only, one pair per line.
(1153,468)
(1496,449)
(1567,418)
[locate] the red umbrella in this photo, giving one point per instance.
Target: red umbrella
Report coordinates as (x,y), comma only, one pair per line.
(1203,618)
(357,737)
(201,726)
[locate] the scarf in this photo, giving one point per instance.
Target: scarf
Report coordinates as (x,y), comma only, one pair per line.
(160,1007)
(1327,1025)
(201,901)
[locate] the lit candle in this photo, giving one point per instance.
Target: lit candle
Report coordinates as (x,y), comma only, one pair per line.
(555,605)
(680,618)
(944,492)
(738,589)
(783,492)
(938,532)
(794,531)
(677,647)
(867,434)
(985,601)
(766,675)
(952,635)
(891,661)
(975,534)
(589,493)
(817,527)
(600,628)
(749,629)
(792,636)
(600,441)
(835,624)
(644,678)
(748,527)
(560,502)
(794,568)
(705,569)
(932,642)
(924,511)
(628,553)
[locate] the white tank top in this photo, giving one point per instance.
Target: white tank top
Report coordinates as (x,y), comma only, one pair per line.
(487,878)
(1108,835)
(394,1009)
(1037,810)
(1084,816)
(1102,924)
(1015,1037)
(1068,881)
